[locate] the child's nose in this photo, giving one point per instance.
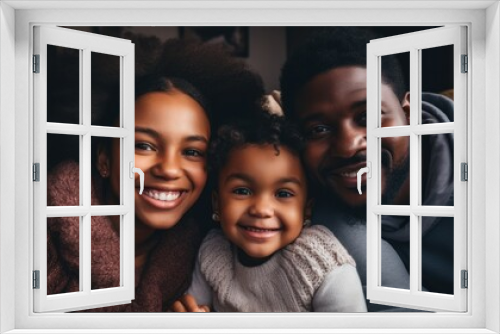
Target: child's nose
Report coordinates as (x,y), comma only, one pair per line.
(262,208)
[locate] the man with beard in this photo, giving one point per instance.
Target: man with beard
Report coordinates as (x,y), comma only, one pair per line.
(324,90)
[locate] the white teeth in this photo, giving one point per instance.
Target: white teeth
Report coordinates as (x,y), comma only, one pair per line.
(255,229)
(349,174)
(163,196)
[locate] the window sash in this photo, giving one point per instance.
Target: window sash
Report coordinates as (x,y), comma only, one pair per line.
(86,43)
(413,43)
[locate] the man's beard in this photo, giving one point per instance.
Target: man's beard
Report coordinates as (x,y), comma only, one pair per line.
(395,179)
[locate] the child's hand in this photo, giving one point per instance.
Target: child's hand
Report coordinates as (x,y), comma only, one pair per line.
(187,303)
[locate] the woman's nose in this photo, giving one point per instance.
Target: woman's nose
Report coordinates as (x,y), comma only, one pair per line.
(168,167)
(348,141)
(261,207)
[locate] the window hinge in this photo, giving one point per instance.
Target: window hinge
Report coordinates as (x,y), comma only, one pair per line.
(36,279)
(36,172)
(464,171)
(465,64)
(465,279)
(36,63)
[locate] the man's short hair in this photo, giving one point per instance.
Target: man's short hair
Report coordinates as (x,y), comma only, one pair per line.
(328,49)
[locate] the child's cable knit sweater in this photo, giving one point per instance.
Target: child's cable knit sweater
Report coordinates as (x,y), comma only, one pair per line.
(163,278)
(314,273)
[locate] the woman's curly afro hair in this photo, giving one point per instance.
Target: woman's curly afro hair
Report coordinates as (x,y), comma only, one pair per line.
(230,87)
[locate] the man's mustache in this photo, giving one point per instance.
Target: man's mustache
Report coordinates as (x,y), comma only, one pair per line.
(343,162)
(359,157)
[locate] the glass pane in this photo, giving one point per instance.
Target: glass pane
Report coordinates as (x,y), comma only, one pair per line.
(105,89)
(106,174)
(394,108)
(437,169)
(437,254)
(395,170)
(63,155)
(63,255)
(395,252)
(63,85)
(105,255)
(437,85)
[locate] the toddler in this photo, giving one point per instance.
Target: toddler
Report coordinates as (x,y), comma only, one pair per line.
(266,257)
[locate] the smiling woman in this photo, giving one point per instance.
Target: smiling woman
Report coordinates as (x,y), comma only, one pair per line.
(171,135)
(173,122)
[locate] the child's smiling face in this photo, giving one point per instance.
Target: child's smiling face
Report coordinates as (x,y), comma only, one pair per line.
(262,199)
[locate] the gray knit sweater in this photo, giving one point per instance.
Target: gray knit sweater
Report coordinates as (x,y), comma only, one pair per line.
(314,273)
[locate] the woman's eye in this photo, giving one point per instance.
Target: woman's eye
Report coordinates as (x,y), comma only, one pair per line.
(284,194)
(317,131)
(193,153)
(144,146)
(242,191)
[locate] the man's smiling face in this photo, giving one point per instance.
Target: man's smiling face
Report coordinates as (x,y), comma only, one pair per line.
(331,110)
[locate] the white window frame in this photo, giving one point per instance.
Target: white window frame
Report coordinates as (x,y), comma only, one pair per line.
(414,44)
(483,20)
(85,43)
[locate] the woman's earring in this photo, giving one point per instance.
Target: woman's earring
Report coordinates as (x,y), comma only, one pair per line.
(215,216)
(307,222)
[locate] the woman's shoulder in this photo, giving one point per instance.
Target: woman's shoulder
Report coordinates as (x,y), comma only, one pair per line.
(64,184)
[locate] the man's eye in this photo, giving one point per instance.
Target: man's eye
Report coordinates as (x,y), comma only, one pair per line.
(144,147)
(193,153)
(284,194)
(318,131)
(242,191)
(362,118)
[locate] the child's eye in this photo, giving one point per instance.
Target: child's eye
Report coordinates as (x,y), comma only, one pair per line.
(144,146)
(242,191)
(284,194)
(193,153)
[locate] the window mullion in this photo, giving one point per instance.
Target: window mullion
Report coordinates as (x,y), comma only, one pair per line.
(85,166)
(415,159)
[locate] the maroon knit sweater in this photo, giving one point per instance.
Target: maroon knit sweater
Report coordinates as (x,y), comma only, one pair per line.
(163,279)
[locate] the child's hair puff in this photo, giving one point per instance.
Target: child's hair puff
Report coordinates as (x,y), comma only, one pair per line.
(262,129)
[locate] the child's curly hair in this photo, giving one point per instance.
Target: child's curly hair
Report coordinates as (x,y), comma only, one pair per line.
(262,129)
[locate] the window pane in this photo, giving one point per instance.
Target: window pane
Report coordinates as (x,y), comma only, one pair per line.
(437,170)
(63,254)
(437,254)
(395,252)
(437,85)
(63,85)
(394,109)
(63,155)
(106,170)
(105,89)
(105,258)
(395,169)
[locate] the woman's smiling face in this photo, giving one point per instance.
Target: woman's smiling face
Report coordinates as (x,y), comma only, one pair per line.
(171,141)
